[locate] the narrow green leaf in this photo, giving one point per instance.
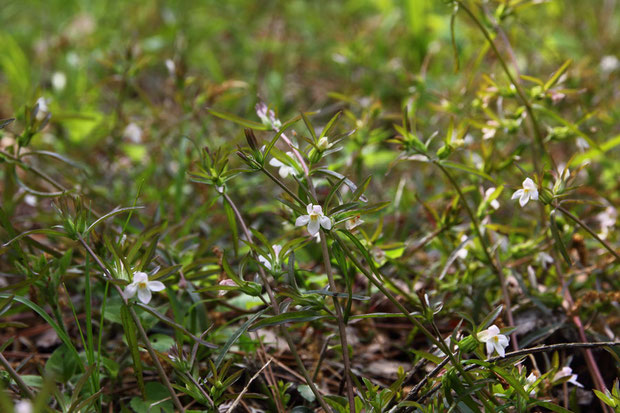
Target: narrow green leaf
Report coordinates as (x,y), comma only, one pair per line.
(235,336)
(490,317)
(132,342)
(559,243)
(347,181)
(469,169)
(554,78)
(309,127)
(330,124)
(61,333)
(292,317)
(109,215)
(237,119)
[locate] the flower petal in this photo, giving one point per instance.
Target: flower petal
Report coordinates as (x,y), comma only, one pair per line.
(500,349)
(489,346)
(525,197)
(140,276)
(529,184)
(317,209)
(517,194)
(484,336)
(313,227)
(265,262)
(302,220)
(309,208)
(130,290)
(275,162)
(156,285)
(326,222)
(534,194)
(144,295)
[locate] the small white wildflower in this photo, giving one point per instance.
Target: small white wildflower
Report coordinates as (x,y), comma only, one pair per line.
(143,287)
(23,406)
(489,131)
(171,66)
(567,372)
(487,194)
(447,340)
(529,383)
(31,200)
(494,340)
(462,253)
(285,170)
(227,282)
(353,222)
(133,133)
(315,219)
(607,220)
(609,63)
(43,109)
(582,144)
(529,191)
(275,259)
(544,259)
(59,81)
(267,116)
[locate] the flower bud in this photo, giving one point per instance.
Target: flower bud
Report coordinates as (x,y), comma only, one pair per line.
(314,155)
(468,344)
(251,138)
(444,151)
(546,196)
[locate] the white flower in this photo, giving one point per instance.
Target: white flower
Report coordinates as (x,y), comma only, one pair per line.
(43,109)
(266,261)
(171,66)
(582,144)
(609,63)
(285,170)
(607,219)
(567,372)
(529,383)
(227,282)
(353,222)
(133,133)
(529,191)
(23,406)
(267,116)
(315,219)
(59,81)
(487,194)
(462,253)
(494,340)
(488,132)
(544,259)
(447,340)
(143,287)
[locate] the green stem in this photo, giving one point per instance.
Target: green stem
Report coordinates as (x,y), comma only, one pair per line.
(341,324)
(276,308)
(516,84)
(438,342)
(145,339)
(485,248)
(588,230)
